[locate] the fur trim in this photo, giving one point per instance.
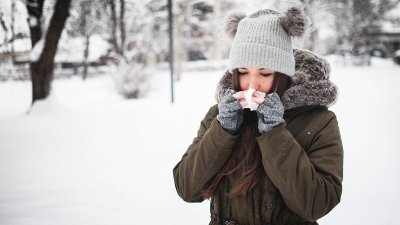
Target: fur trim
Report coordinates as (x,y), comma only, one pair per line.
(231,23)
(311,84)
(316,67)
(223,85)
(322,92)
(294,21)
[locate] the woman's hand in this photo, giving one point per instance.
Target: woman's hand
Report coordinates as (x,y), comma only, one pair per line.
(230,113)
(270,112)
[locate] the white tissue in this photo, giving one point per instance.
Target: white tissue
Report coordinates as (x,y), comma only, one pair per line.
(248,96)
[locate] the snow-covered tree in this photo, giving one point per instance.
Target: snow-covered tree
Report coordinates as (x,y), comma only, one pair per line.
(146,34)
(354,18)
(117,23)
(12,13)
(87,18)
(44,44)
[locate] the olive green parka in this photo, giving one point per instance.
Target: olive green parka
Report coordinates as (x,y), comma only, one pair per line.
(302,161)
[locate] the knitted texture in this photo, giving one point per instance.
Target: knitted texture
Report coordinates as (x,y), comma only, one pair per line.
(263,39)
(270,113)
(230,114)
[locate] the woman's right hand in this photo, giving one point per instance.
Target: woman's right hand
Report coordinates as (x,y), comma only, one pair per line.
(230,113)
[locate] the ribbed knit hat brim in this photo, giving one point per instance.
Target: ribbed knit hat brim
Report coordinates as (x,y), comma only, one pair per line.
(243,55)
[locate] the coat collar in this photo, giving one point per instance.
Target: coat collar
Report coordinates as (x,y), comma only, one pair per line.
(304,91)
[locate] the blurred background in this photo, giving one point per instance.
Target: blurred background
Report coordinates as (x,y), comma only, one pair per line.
(95,112)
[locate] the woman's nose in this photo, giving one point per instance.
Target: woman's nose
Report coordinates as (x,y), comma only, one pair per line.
(253,82)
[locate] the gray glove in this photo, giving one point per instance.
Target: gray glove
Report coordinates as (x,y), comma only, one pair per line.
(230,113)
(270,113)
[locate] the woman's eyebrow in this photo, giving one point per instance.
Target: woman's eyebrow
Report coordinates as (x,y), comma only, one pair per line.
(267,70)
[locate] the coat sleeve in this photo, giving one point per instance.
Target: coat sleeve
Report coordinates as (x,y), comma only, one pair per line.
(203,159)
(309,180)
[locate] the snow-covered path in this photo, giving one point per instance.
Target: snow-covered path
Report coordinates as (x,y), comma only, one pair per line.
(87,156)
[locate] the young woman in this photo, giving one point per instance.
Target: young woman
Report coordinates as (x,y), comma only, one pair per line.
(281,163)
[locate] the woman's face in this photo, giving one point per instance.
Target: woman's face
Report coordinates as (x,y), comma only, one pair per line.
(260,79)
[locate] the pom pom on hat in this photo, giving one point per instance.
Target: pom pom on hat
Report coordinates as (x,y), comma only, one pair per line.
(294,21)
(231,23)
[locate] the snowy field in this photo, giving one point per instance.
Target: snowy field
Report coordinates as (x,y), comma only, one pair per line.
(87,156)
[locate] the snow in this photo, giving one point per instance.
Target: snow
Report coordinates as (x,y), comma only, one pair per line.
(394,12)
(71,49)
(37,51)
(20,45)
(88,156)
(33,22)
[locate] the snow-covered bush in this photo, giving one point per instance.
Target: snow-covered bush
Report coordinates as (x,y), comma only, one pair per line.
(131,80)
(9,72)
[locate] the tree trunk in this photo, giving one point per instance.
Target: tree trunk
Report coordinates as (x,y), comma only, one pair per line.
(85,11)
(13,10)
(122,26)
(4,28)
(42,69)
(113,39)
(35,11)
(85,57)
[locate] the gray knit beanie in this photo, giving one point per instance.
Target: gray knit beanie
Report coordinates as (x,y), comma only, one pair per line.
(264,39)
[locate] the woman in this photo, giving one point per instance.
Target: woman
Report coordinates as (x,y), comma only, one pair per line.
(282,163)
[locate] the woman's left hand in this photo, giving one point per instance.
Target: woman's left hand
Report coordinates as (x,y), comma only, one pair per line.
(270,113)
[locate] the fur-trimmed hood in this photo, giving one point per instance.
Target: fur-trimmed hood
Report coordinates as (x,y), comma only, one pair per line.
(311,84)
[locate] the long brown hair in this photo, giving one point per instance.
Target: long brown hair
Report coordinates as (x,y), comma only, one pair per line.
(244,167)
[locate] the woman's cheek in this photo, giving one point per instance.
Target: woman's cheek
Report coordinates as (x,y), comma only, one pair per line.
(244,84)
(268,84)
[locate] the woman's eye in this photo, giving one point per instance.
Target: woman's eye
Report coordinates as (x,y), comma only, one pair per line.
(241,73)
(266,74)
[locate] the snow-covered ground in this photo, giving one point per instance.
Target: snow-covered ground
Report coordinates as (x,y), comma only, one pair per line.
(88,156)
